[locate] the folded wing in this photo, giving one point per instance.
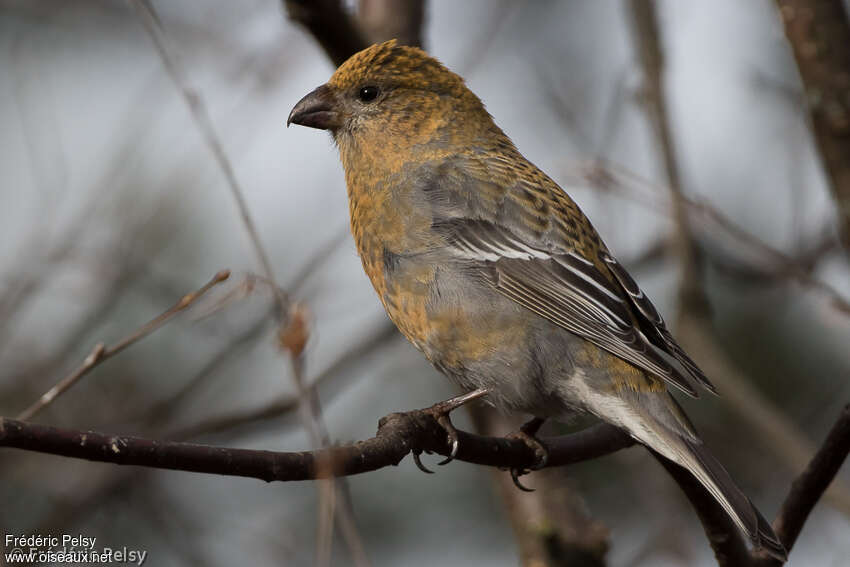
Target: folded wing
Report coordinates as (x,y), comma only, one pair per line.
(574,293)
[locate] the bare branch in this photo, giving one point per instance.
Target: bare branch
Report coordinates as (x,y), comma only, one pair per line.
(723,535)
(418,430)
(392,19)
(819,33)
(101,352)
(312,417)
(693,303)
(552,525)
(691,295)
(330,25)
(806,491)
(341,34)
(277,408)
(201,116)
(613,178)
(808,488)
(398,434)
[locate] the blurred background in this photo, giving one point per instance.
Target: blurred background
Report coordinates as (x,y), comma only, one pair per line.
(116,202)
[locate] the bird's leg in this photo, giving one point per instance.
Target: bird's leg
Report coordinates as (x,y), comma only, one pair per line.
(526,434)
(440,412)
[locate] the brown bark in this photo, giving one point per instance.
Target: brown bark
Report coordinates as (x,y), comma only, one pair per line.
(393,19)
(819,34)
(398,434)
(546,532)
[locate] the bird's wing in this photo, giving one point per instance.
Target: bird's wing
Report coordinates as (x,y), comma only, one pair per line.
(652,323)
(593,297)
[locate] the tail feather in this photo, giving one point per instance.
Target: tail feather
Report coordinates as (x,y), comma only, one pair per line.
(768,540)
(711,474)
(657,421)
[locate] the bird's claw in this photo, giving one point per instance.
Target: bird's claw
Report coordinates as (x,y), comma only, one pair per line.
(451,435)
(419,464)
(440,412)
(515,474)
(526,435)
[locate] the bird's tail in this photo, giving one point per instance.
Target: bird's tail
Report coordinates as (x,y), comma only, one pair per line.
(657,421)
(711,474)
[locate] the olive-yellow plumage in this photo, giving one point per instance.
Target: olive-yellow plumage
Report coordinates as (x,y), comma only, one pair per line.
(493,271)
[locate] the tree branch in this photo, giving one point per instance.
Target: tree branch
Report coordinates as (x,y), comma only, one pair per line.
(808,488)
(648,46)
(552,525)
(393,19)
(415,431)
(310,406)
(806,491)
(329,24)
(101,352)
(819,34)
(398,434)
(341,34)
(723,535)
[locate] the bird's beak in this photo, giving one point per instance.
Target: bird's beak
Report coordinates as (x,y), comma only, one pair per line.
(316,110)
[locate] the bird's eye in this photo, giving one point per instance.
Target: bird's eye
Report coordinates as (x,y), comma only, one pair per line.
(368,94)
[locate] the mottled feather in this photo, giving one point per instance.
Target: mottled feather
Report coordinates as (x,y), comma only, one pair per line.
(489,268)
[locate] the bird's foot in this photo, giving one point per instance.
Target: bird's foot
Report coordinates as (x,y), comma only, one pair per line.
(526,434)
(440,412)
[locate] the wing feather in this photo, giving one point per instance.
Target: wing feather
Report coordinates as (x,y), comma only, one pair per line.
(573,293)
(659,334)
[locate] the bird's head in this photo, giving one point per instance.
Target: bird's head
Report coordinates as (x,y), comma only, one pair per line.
(389,93)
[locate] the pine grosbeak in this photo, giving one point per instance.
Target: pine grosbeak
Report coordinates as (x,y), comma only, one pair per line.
(493,272)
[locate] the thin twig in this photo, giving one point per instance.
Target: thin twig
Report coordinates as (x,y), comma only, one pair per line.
(616,179)
(357,353)
(692,298)
(101,352)
(201,115)
(398,434)
(325,522)
(313,421)
(242,289)
(159,420)
(647,42)
(249,281)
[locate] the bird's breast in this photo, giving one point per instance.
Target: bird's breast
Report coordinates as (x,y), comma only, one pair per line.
(388,227)
(434,302)
(387,222)
(454,322)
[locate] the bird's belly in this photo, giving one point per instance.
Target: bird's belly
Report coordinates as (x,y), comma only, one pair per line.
(469,331)
(475,336)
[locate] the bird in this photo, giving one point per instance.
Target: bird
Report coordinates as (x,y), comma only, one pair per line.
(493,272)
